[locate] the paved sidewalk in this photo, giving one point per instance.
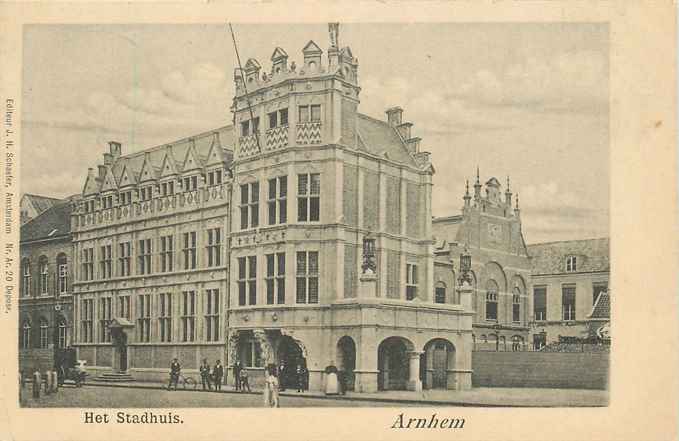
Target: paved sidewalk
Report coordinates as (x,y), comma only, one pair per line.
(477,397)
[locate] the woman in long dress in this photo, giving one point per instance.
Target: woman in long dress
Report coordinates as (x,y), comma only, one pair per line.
(271,388)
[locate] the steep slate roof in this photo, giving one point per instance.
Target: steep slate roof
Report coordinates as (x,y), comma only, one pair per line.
(378,137)
(53,222)
(41,203)
(550,258)
(225,136)
(602,307)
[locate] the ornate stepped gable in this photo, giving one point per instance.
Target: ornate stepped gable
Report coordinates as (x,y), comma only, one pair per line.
(204,149)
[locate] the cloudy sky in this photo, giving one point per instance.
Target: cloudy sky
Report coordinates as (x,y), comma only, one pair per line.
(525,100)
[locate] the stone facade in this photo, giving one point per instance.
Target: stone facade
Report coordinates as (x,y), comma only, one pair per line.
(45,286)
(567,279)
(312,248)
(489,228)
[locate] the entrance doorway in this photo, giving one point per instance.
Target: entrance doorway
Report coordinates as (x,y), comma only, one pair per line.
(393,363)
(439,358)
(120,343)
(346,360)
(290,356)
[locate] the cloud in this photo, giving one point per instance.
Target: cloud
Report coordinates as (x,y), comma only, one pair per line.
(566,81)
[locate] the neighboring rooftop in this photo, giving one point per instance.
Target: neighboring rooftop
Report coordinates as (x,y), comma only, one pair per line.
(602,307)
(381,139)
(53,222)
(550,257)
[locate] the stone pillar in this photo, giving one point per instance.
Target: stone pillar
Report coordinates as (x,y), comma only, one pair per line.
(414,383)
(466,297)
(366,367)
(368,286)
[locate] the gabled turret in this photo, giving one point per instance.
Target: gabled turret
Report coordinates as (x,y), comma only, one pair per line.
(279,58)
(312,57)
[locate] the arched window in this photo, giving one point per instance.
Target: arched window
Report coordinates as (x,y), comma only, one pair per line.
(516,305)
(571,264)
(26,335)
(26,277)
(44,334)
(503,343)
(63,334)
(44,272)
(62,268)
(491,300)
(440,292)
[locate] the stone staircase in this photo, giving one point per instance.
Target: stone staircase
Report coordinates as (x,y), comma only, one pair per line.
(115,377)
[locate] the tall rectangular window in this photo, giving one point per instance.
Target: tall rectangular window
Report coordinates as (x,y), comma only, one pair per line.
(105,262)
(308,197)
(310,113)
(571,264)
(88,264)
(62,268)
(307,277)
(44,273)
(189,250)
(249,205)
(166,254)
(165,316)
(211,303)
(188,318)
(245,128)
(144,258)
(277,200)
(86,320)
(105,319)
(214,247)
(144,318)
(26,278)
(124,259)
(124,307)
(540,303)
(411,281)
(491,305)
(283,117)
(568,301)
(275,278)
(516,308)
(247,280)
(107,202)
(125,197)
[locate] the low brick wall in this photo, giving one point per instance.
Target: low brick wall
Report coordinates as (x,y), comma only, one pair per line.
(584,370)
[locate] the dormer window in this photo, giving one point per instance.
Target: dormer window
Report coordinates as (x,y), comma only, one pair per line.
(107,202)
(89,206)
(125,197)
(146,193)
(214,178)
(167,188)
(571,264)
(190,183)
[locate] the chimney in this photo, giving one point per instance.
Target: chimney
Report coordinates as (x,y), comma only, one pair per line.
(413,144)
(394,116)
(116,149)
(404,130)
(108,159)
(102,171)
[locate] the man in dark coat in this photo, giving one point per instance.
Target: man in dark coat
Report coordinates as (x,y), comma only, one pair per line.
(175,370)
(282,376)
(218,373)
(205,375)
(236,374)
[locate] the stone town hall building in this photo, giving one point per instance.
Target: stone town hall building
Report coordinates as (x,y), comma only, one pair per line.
(301,234)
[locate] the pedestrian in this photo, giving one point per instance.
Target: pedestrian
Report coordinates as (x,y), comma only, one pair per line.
(342,382)
(299,377)
(218,373)
(175,371)
(282,378)
(244,380)
(236,375)
(271,386)
(205,375)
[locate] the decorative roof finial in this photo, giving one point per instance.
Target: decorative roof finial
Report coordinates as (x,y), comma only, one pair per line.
(333,30)
(477,175)
(517,201)
(507,183)
(467,188)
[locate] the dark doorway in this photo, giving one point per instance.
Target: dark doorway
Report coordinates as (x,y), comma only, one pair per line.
(393,364)
(346,351)
(121,344)
(290,355)
(439,359)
